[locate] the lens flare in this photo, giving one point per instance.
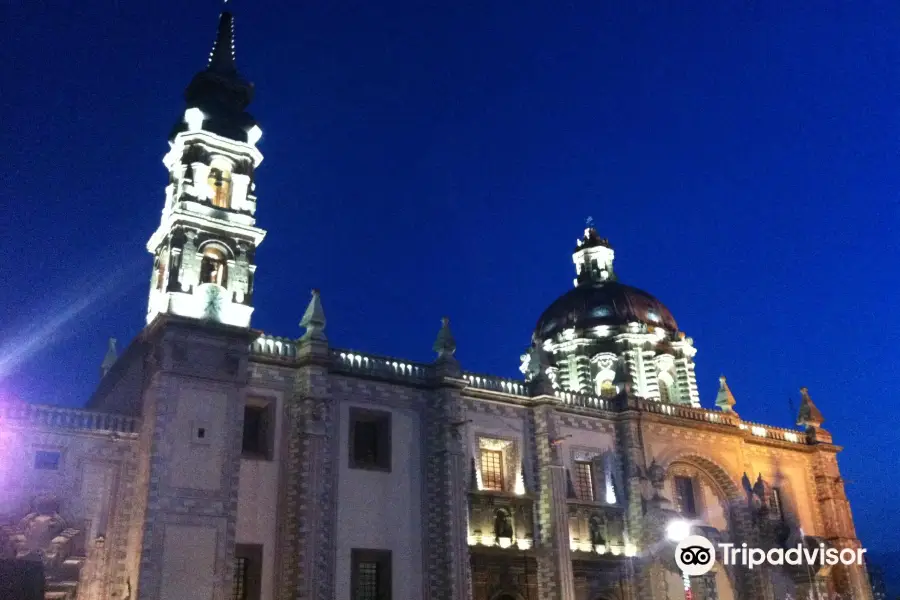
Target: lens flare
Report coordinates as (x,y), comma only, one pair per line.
(18,346)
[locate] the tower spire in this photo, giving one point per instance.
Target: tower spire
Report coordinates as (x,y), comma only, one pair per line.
(221,59)
(219,90)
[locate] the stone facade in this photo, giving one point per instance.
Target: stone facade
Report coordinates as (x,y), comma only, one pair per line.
(215,462)
(120,478)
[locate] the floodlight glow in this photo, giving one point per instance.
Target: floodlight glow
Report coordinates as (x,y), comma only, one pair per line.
(678,530)
(194,118)
(254,134)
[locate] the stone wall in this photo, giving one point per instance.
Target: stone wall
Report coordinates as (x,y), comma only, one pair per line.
(92,483)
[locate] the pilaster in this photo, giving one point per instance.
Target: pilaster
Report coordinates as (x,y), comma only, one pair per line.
(837,520)
(189,268)
(630,448)
(635,361)
(685,375)
(446,486)
(307,509)
(581,370)
(555,577)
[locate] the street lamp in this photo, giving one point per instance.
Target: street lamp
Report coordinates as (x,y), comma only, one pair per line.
(677,530)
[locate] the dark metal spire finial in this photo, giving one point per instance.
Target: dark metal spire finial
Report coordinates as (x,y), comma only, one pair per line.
(221,59)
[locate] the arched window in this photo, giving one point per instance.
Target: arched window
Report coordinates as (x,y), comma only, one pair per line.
(214,267)
(220,183)
(664,392)
(666,388)
(607,389)
(775,502)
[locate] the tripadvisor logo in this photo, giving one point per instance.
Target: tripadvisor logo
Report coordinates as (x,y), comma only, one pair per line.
(695,555)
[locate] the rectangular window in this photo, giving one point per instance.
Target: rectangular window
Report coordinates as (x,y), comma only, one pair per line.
(370,439)
(370,578)
(584,480)
(776,507)
(247,578)
(258,431)
(685,501)
(46,460)
(239,584)
(492,470)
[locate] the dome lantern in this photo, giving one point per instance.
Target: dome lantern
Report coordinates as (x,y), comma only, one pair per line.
(593,258)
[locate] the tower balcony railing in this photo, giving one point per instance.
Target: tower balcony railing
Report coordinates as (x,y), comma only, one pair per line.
(38,415)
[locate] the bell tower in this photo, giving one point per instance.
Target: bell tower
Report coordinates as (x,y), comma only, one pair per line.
(204,249)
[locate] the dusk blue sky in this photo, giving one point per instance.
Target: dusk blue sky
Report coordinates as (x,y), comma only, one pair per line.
(440,158)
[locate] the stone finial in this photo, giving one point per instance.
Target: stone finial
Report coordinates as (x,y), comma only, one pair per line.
(809,415)
(314,319)
(112,354)
(445,344)
(759,488)
(748,487)
(725,399)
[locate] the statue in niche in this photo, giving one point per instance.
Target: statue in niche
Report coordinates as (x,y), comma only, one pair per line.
(599,530)
(502,524)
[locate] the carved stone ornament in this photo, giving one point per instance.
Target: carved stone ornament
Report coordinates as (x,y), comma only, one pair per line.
(605,361)
(319,410)
(599,529)
(42,535)
(656,474)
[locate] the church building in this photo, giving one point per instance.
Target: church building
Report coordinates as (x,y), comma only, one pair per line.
(218,462)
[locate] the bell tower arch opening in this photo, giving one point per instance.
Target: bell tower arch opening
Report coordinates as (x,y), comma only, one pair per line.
(214,265)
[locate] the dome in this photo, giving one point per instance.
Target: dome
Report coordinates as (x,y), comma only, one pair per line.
(603,303)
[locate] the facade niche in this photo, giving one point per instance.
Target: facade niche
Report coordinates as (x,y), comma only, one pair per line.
(214,266)
(502,524)
(597,527)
